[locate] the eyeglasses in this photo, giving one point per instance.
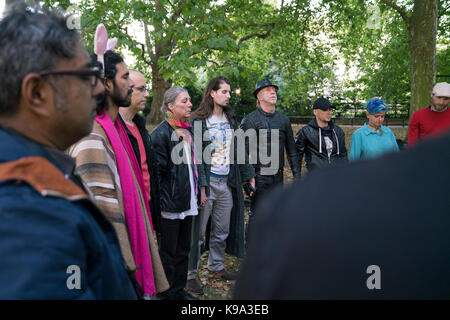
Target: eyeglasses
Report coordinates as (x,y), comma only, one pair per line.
(141,89)
(93,74)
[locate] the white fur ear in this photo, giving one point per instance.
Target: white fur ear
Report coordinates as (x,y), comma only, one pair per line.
(111,44)
(100,41)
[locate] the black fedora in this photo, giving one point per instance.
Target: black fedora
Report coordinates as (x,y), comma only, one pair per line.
(263,84)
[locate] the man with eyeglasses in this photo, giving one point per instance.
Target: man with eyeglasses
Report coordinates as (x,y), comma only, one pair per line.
(54,242)
(134,125)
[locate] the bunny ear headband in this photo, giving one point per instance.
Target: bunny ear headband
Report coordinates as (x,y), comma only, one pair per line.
(102,43)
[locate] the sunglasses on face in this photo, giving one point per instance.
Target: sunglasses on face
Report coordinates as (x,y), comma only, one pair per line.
(92,74)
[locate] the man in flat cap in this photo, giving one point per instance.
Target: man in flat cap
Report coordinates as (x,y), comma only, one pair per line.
(321,142)
(274,135)
(432,120)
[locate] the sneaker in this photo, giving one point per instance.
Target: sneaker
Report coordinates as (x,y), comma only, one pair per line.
(224,274)
(193,286)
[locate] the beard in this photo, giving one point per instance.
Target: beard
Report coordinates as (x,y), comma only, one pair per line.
(121,101)
(224,106)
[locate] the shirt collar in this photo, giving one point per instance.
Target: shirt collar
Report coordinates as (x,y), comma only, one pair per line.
(431,109)
(368,131)
(65,162)
(267,114)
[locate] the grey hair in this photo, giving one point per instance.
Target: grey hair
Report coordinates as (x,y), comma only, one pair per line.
(32,39)
(170,96)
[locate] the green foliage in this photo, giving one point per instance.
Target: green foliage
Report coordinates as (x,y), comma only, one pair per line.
(443,63)
(300,46)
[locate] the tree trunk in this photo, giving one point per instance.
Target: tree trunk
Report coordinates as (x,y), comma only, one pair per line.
(159,87)
(422,43)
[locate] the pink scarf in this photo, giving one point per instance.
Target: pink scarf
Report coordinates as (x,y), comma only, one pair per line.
(182,129)
(132,206)
(135,163)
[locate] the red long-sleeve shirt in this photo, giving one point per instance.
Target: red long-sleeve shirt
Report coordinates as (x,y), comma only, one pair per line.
(426,123)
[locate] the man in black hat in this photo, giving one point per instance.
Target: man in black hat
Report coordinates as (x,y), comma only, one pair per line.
(321,141)
(269,174)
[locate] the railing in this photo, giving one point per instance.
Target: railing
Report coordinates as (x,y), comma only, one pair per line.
(352,121)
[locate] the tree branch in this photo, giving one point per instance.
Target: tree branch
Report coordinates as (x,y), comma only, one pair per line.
(147,42)
(176,11)
(143,55)
(169,44)
(400,10)
(258,35)
(212,61)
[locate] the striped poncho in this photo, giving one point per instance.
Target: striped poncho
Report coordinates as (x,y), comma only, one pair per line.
(97,166)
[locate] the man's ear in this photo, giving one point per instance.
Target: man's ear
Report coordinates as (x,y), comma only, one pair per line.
(37,94)
(109,85)
(212,94)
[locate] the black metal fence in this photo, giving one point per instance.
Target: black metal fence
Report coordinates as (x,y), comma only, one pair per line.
(352,121)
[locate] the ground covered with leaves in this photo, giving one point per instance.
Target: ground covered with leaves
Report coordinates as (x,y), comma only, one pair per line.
(214,286)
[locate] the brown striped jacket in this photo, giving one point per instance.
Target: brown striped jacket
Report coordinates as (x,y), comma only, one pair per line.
(96,165)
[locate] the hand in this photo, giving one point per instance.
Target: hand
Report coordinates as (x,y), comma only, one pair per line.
(252,183)
(203,197)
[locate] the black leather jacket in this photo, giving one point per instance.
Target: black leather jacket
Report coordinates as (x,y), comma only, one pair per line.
(258,120)
(310,142)
(173,179)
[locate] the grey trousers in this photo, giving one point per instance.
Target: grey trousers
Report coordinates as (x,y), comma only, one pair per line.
(218,207)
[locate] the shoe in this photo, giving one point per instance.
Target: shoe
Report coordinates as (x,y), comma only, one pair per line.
(224,274)
(183,295)
(193,286)
(162,296)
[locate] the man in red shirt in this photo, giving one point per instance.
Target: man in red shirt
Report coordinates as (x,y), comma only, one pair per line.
(432,120)
(138,135)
